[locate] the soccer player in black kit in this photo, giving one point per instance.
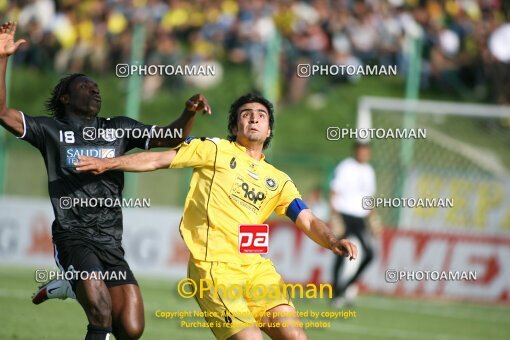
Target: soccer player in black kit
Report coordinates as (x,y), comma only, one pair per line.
(88,239)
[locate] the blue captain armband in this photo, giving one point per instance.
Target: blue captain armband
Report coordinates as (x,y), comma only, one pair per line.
(189,139)
(295,208)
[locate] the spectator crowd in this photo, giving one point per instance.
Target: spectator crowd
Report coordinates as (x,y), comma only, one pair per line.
(460,52)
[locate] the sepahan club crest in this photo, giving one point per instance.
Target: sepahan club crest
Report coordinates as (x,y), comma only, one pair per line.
(271,183)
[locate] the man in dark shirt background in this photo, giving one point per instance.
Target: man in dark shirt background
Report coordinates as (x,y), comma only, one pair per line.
(88,238)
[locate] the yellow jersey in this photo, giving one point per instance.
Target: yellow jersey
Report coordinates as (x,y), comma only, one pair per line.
(228,188)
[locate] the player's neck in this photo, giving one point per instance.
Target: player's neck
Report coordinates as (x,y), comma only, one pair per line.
(80,117)
(254,151)
(251,148)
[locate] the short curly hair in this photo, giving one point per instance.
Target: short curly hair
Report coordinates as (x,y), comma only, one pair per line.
(53,105)
(251,97)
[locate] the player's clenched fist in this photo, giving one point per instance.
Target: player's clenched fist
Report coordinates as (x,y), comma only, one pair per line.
(198,103)
(7,44)
(345,248)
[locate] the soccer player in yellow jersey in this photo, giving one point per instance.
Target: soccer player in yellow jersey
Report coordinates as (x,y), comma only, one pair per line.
(231,185)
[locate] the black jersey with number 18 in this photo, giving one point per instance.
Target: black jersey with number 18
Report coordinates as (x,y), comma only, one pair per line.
(61,141)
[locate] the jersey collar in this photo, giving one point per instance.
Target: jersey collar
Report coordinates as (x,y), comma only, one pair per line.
(243,149)
(80,122)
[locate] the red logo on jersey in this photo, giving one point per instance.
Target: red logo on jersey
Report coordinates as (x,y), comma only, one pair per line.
(253,238)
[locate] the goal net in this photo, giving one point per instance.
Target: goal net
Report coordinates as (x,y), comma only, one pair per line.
(464,157)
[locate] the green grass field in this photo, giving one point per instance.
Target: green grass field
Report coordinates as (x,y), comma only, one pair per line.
(376,317)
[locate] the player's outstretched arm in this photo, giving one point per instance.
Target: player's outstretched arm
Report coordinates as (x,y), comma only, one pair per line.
(321,234)
(136,162)
(9,118)
(193,105)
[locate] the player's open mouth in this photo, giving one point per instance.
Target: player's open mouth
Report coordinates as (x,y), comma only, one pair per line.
(97,99)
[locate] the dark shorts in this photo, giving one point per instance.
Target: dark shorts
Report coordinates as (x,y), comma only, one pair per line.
(88,260)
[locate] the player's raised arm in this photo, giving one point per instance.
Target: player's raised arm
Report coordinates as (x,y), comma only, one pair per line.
(136,162)
(318,231)
(11,119)
(193,105)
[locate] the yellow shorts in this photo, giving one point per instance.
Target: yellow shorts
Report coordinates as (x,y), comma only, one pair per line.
(236,296)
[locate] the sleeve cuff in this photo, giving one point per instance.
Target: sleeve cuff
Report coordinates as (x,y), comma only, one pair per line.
(24,126)
(147,142)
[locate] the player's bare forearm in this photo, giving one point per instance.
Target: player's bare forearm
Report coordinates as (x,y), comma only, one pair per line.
(319,232)
(3,101)
(323,233)
(137,162)
(182,124)
(9,118)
